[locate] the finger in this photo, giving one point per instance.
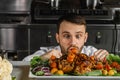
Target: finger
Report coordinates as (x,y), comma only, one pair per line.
(97,53)
(60,54)
(103,57)
(100,54)
(56,53)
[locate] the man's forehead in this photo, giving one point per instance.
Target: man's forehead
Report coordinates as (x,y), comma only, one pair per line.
(77,29)
(80,32)
(64,24)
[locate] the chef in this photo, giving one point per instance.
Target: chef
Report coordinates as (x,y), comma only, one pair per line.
(71,31)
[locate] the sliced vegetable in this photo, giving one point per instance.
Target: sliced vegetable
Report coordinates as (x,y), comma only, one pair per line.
(107,67)
(116,74)
(39,73)
(94,73)
(99,66)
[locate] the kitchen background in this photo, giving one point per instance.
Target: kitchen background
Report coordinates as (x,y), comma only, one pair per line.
(27,25)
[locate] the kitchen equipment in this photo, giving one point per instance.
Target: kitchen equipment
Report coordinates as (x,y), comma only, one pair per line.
(13,38)
(15,11)
(15,6)
(54,4)
(41,13)
(91,4)
(3,54)
(98,36)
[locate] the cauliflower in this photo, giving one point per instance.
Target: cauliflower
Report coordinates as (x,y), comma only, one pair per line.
(5,69)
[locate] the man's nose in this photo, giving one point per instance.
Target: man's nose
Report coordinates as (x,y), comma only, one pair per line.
(73,40)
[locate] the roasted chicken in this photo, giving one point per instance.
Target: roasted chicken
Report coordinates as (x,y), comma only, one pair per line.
(75,62)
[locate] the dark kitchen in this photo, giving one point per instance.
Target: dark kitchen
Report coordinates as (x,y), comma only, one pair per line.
(60,39)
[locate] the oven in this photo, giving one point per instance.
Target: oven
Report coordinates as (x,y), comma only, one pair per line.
(102,36)
(117,18)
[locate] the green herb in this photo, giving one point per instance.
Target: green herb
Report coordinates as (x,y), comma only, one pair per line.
(13,78)
(37,61)
(112,57)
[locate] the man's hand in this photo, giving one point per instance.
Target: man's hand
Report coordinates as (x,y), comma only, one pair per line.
(101,54)
(54,52)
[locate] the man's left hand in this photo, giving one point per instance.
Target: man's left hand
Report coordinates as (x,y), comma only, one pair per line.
(101,54)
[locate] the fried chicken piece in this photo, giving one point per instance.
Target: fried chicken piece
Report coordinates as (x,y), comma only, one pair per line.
(83,64)
(65,66)
(74,62)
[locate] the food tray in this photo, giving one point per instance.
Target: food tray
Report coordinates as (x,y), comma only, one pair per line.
(73,77)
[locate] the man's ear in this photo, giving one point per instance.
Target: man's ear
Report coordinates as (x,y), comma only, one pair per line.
(57,37)
(86,37)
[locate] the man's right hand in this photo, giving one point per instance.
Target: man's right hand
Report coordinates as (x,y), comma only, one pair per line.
(54,52)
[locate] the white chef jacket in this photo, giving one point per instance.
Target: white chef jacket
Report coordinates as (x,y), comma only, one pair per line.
(88,50)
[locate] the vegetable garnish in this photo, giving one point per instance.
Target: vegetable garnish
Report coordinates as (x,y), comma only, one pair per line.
(76,64)
(39,67)
(112,57)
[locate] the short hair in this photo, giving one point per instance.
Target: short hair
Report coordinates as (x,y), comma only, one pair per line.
(73,18)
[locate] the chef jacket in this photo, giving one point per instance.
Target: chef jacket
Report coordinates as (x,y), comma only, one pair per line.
(88,50)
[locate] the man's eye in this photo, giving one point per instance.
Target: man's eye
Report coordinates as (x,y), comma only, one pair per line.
(78,36)
(67,36)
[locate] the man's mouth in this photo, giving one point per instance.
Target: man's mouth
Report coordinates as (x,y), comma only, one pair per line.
(73,48)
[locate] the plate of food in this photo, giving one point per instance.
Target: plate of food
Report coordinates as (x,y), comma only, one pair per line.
(74,65)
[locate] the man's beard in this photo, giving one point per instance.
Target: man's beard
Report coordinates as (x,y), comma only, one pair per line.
(65,51)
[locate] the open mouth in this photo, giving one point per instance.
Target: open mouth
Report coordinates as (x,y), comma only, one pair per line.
(73,49)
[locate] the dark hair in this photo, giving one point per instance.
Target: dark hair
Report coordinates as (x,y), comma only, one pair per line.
(73,18)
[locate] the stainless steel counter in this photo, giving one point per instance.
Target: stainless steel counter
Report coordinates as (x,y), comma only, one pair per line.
(20,63)
(78,78)
(21,70)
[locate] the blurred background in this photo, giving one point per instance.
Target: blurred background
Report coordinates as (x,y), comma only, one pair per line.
(27,25)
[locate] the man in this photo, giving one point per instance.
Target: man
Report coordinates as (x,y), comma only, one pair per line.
(71,31)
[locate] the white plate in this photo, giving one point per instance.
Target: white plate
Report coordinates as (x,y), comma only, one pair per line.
(74,77)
